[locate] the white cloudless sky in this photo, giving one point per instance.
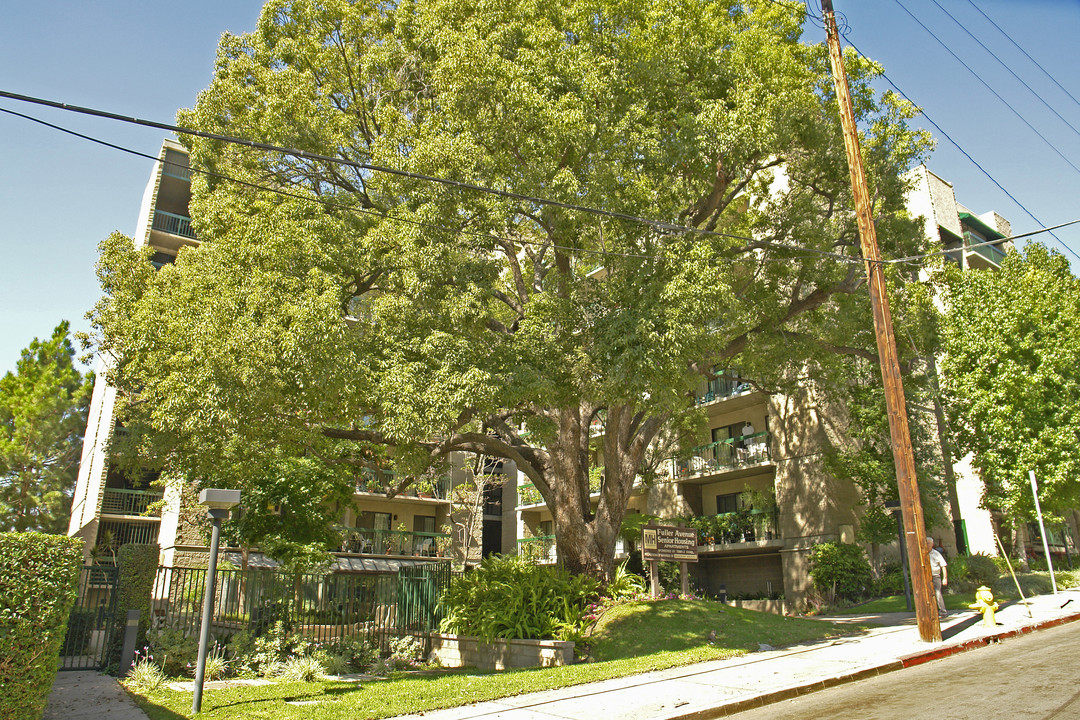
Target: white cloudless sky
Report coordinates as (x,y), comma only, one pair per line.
(61,195)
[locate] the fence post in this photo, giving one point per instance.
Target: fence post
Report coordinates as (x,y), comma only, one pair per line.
(131,634)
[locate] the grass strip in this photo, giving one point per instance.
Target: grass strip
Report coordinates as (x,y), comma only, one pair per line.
(627,640)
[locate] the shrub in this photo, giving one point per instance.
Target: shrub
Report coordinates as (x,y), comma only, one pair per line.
(890,582)
(263,655)
(981,570)
(841,570)
(144,677)
(509,598)
(356,652)
(39,577)
(174,652)
(301,668)
(625,584)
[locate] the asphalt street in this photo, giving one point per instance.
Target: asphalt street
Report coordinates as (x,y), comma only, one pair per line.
(1034,676)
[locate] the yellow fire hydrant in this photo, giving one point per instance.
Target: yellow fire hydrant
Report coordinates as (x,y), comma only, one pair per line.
(984,603)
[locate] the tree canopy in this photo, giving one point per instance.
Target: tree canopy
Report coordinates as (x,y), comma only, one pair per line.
(351,316)
(1012,349)
(43,408)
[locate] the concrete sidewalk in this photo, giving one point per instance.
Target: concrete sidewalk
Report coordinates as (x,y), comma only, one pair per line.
(90,695)
(724,687)
(694,692)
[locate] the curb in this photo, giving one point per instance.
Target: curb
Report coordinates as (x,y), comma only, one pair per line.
(940,652)
(900,663)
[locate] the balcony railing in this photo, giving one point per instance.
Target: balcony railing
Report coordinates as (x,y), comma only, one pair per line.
(173,224)
(724,386)
(741,526)
(989,252)
(381,481)
(529,495)
(368,541)
(176,170)
(722,455)
(538,549)
(117,501)
(114,533)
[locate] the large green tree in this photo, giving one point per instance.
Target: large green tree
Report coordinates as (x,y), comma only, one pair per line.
(1010,373)
(43,408)
(354,316)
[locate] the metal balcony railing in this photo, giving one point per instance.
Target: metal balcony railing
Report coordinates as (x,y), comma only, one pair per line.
(369,541)
(381,481)
(727,384)
(741,526)
(721,455)
(173,224)
(117,501)
(538,549)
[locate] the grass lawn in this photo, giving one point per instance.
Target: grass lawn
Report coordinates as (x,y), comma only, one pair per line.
(1032,583)
(628,639)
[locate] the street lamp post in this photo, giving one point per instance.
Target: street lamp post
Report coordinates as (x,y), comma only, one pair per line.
(219,503)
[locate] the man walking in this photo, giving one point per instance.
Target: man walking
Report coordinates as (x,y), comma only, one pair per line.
(940,571)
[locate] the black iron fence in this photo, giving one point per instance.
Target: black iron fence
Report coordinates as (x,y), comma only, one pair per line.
(92,620)
(374,607)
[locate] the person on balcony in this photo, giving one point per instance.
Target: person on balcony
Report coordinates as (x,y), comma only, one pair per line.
(747,442)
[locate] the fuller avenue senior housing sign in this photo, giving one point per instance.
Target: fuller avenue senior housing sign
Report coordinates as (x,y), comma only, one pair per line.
(666,543)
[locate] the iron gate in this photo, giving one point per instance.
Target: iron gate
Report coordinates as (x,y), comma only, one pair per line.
(92,620)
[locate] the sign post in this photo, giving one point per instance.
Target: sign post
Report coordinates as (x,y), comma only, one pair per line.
(669,544)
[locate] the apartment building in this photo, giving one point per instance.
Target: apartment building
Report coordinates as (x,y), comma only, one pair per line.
(758,491)
(379,533)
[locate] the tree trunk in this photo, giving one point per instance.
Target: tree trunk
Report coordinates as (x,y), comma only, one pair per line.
(585,538)
(1020,545)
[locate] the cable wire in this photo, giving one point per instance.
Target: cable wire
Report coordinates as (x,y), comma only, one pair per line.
(1022,50)
(989,87)
(1007,68)
(965,153)
(368,167)
(293,152)
(418,223)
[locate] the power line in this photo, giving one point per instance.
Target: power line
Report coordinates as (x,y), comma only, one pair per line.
(417,223)
(1007,68)
(368,167)
(989,87)
(986,242)
(294,152)
(965,153)
(1022,50)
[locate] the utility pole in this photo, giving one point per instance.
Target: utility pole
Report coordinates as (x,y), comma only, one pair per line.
(926,612)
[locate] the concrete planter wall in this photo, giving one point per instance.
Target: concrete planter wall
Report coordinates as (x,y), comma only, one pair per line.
(776,607)
(458,651)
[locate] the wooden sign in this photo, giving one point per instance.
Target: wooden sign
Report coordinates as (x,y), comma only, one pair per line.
(666,543)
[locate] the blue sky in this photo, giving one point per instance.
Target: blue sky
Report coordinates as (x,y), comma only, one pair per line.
(60,195)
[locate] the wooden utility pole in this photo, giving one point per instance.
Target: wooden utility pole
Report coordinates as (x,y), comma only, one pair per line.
(926,611)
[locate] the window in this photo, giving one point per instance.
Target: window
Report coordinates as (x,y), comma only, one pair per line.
(727,503)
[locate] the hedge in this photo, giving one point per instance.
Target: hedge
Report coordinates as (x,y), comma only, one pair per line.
(138,566)
(39,578)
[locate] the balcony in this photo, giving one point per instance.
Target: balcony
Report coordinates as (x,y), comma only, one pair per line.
(114,533)
(990,253)
(379,482)
(117,501)
(528,495)
(173,224)
(721,456)
(368,541)
(539,550)
(723,387)
(739,528)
